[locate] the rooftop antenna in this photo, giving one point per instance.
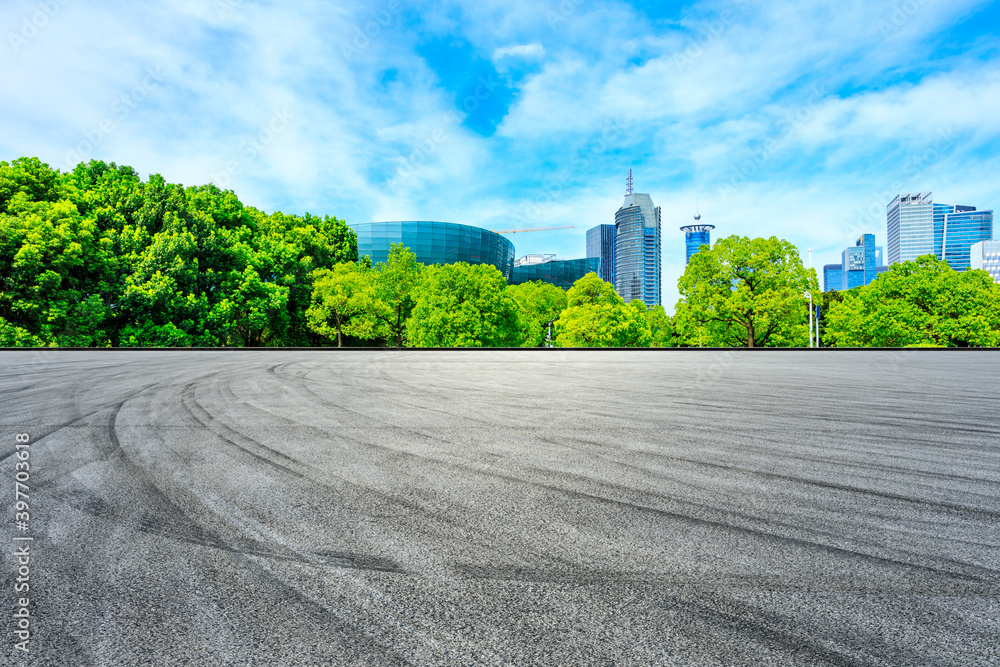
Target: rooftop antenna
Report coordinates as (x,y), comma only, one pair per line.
(628,188)
(697,211)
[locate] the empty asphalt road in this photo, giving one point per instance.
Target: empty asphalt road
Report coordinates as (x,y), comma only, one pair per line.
(504,508)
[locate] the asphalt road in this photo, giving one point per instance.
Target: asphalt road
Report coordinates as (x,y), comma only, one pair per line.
(525,508)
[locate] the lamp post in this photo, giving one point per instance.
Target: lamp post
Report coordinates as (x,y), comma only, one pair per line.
(810,303)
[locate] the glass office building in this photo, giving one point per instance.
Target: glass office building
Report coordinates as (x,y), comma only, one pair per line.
(601,244)
(919,226)
(561,273)
(637,250)
(960,230)
(859,266)
(695,236)
(910,225)
(436,243)
(985,255)
(833,277)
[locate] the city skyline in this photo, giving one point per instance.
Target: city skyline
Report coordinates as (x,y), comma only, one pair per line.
(778,118)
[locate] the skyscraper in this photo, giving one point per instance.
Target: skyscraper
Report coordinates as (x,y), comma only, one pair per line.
(859,266)
(963,228)
(986,255)
(910,226)
(695,236)
(918,226)
(637,248)
(601,243)
(833,277)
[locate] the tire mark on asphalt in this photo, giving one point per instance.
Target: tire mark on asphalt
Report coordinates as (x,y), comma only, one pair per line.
(230,436)
(750,472)
(756,625)
(802,543)
(428,514)
(717,524)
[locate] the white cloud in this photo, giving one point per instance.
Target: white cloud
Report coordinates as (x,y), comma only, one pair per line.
(535,50)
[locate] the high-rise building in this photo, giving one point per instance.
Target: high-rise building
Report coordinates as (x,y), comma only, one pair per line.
(919,226)
(695,236)
(637,248)
(859,265)
(601,244)
(910,226)
(961,229)
(833,277)
(986,255)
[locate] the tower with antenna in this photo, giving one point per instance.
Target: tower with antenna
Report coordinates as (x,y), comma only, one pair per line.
(696,235)
(637,263)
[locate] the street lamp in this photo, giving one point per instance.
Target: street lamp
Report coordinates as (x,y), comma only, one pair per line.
(809,294)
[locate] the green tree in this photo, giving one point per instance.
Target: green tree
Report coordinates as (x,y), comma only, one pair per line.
(463,305)
(661,328)
(53,270)
(541,304)
(395,282)
(596,316)
(745,293)
(923,302)
(28,176)
(12,336)
(339,299)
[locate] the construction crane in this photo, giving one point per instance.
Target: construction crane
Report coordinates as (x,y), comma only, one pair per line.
(533,229)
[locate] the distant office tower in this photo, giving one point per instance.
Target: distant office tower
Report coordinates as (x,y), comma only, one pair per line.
(601,244)
(833,277)
(637,248)
(695,236)
(910,225)
(961,229)
(859,266)
(917,226)
(986,255)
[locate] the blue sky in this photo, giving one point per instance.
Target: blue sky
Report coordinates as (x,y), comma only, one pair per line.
(795,119)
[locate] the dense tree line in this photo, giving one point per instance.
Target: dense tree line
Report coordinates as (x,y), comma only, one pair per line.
(921,303)
(97,257)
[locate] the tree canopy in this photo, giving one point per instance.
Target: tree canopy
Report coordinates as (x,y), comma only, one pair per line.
(464,305)
(596,316)
(541,304)
(918,303)
(745,293)
(98,257)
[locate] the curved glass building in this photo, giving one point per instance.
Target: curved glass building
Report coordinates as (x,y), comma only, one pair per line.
(561,273)
(436,243)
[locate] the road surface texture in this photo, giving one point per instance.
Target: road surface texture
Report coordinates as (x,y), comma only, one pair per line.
(505,508)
